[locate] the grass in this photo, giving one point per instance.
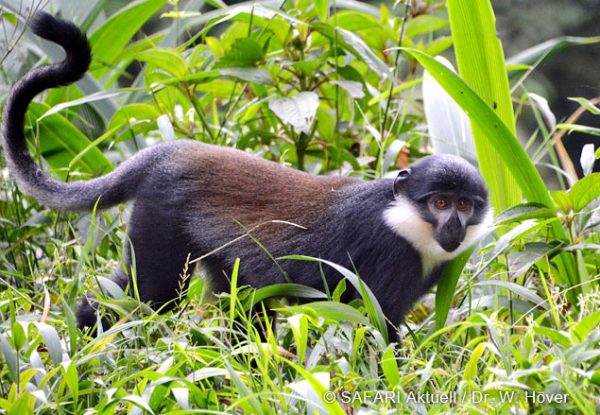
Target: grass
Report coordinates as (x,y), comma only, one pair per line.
(497,349)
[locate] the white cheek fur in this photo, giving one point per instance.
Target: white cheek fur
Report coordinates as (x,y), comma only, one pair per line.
(404,219)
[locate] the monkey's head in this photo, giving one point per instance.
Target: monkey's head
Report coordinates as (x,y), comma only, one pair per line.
(441,206)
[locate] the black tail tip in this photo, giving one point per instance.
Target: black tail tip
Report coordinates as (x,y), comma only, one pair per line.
(64,33)
(41,21)
(53,28)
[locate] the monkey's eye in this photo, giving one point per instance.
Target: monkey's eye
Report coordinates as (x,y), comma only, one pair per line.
(463,204)
(441,203)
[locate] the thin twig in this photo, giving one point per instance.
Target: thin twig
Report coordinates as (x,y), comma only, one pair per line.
(557,137)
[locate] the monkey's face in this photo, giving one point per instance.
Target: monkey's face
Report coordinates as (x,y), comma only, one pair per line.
(441,207)
(450,214)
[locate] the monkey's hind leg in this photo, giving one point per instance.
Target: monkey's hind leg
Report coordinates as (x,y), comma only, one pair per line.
(157,251)
(88,306)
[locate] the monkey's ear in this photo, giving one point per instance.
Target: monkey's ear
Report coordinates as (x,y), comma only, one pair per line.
(402,177)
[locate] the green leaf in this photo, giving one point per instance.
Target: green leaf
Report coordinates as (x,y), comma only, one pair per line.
(195,78)
(271,20)
(176,14)
(580,129)
(562,200)
(585,326)
(285,289)
(424,24)
(299,326)
(544,50)
(515,233)
(97,96)
(19,337)
(110,288)
(71,378)
(254,10)
(322,7)
(215,45)
(354,89)
(23,405)
(447,286)
(389,366)
(244,52)
(396,90)
(438,45)
(219,88)
(517,289)
(356,46)
(331,310)
(332,407)
(10,357)
(470,372)
(481,64)
(205,373)
(354,21)
(523,212)
(360,48)
(585,191)
(52,341)
(555,336)
(259,76)
(521,261)
(249,401)
(114,34)
(166,59)
(129,53)
(587,104)
(9,17)
(137,112)
(139,402)
(350,73)
(309,66)
(339,290)
(60,142)
(517,67)
(233,290)
(596,378)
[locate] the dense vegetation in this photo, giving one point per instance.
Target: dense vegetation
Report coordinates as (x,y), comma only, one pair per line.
(328,91)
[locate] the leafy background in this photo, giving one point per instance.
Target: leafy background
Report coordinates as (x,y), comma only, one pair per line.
(330,88)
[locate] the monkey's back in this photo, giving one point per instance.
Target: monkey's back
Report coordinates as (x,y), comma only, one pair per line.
(239,187)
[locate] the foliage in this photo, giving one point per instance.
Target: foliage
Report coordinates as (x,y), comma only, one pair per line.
(480,61)
(311,86)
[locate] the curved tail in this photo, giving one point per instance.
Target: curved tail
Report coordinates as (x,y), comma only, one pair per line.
(108,190)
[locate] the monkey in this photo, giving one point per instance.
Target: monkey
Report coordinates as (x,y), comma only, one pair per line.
(192,199)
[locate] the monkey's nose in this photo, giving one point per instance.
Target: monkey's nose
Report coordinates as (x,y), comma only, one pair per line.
(450,246)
